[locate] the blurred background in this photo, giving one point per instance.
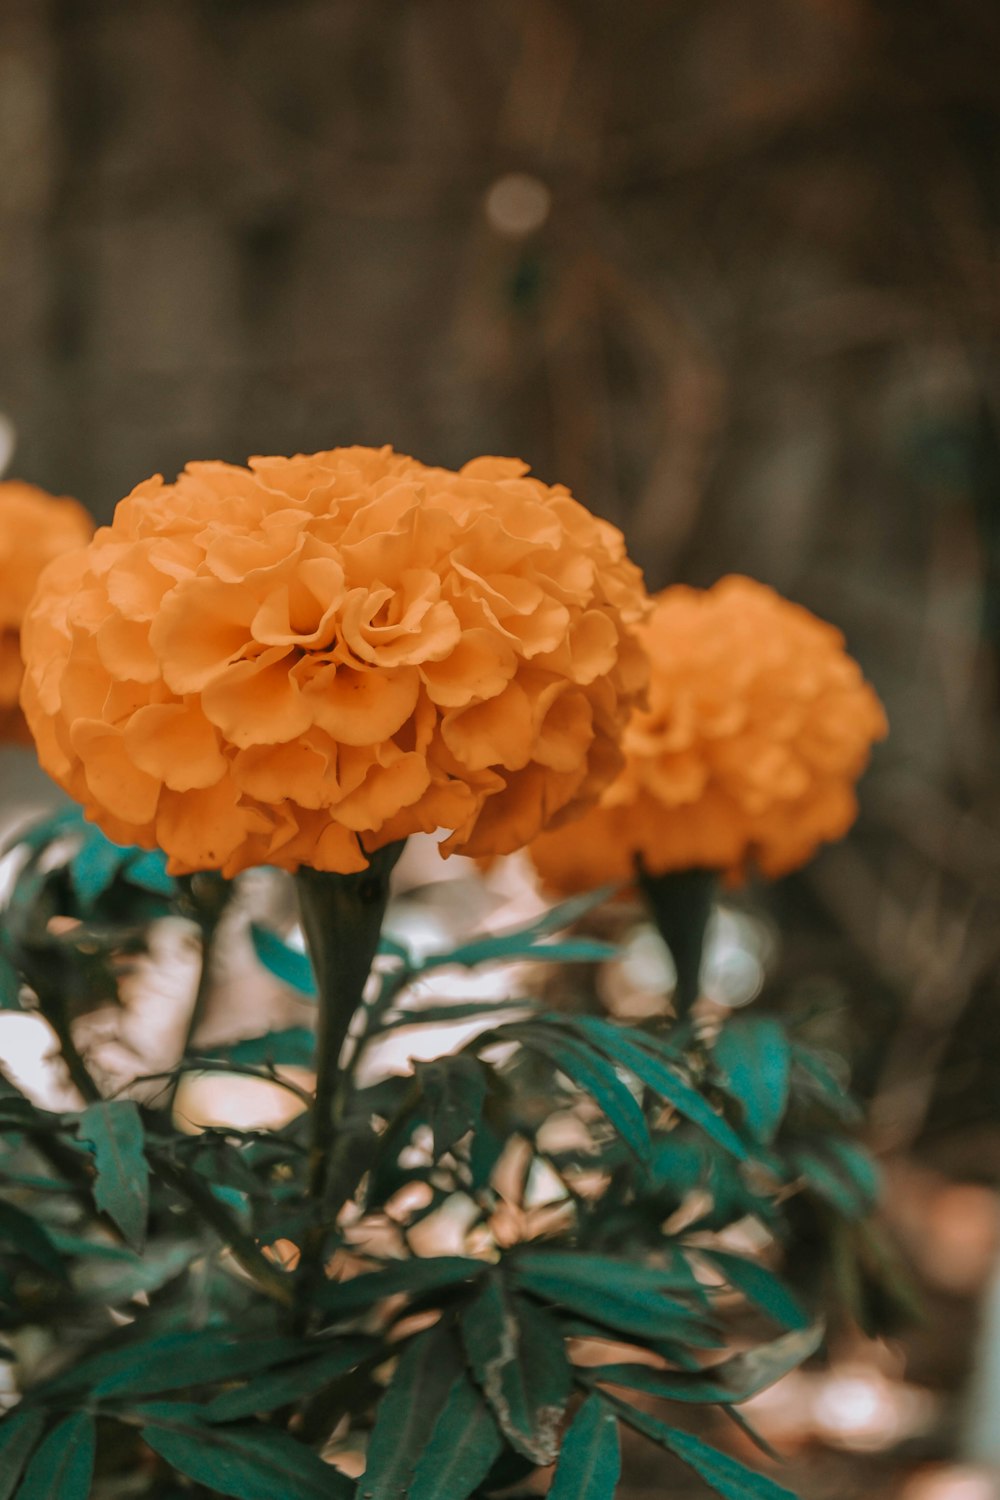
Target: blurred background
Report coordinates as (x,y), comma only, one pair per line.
(729,269)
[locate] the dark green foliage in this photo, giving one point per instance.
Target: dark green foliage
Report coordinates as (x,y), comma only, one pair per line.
(590,1460)
(258,1326)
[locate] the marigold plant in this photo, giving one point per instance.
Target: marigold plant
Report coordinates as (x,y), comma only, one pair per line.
(312,657)
(35,527)
(757,728)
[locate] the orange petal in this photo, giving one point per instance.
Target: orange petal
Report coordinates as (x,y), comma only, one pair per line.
(200,629)
(480,666)
(257,702)
(204,829)
(175,743)
(114,780)
(362,707)
(498,732)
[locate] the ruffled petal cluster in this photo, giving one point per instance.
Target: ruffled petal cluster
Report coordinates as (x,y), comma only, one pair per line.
(310,657)
(757,728)
(35,527)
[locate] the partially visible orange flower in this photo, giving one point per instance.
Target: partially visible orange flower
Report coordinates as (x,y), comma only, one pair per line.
(35,527)
(758,726)
(297,661)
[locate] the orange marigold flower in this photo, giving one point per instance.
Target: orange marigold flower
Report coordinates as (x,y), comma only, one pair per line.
(758,726)
(35,527)
(296,661)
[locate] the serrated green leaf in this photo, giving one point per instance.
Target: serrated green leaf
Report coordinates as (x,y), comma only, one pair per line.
(590,1460)
(64,1464)
(294,1046)
(621,1295)
(512,947)
(752,1055)
(287,964)
(759,1286)
(592,1073)
(462,1448)
(454,1092)
(729,1478)
(516,1355)
(19,1434)
(291,1383)
(26,1236)
(565,913)
(524,941)
(175,1361)
(730,1382)
(654,1067)
(246,1462)
(114,1132)
(417,1277)
(408,1411)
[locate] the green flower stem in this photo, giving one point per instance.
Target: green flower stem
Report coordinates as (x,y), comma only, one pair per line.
(342,919)
(207,895)
(681,904)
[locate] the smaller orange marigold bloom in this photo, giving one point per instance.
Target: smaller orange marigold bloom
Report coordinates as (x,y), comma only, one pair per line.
(758,726)
(311,657)
(35,527)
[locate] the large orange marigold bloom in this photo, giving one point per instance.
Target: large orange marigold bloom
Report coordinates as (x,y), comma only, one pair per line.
(296,661)
(35,527)
(758,726)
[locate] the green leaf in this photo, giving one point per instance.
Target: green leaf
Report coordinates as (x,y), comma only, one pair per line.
(148,870)
(287,964)
(443,1015)
(295,1046)
(596,1077)
(654,1066)
(566,913)
(64,1464)
(26,1236)
(408,1411)
(292,1383)
(454,1092)
(121,1188)
(590,1461)
(10,986)
(620,1294)
(461,1451)
(759,1286)
(820,1081)
(416,1277)
(841,1172)
(174,1361)
(19,1432)
(247,1462)
(392,948)
(114,1281)
(725,1475)
(92,871)
(753,1057)
(516,1355)
(523,941)
(733,1380)
(510,947)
